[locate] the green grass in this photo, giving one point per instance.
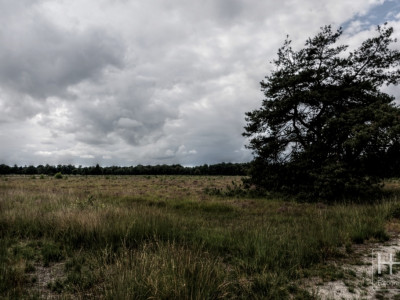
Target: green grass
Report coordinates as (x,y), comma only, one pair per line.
(167,237)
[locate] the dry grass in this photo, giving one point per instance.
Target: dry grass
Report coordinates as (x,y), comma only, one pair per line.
(163,237)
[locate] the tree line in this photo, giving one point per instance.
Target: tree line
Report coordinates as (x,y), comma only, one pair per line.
(215,169)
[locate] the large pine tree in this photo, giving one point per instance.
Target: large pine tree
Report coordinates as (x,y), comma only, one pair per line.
(325,129)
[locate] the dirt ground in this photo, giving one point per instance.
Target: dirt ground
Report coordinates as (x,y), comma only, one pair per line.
(363,280)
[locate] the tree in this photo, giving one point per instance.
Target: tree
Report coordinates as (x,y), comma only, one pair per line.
(325,124)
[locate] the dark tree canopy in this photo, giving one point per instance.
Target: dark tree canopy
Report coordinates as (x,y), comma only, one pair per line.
(230,169)
(325,129)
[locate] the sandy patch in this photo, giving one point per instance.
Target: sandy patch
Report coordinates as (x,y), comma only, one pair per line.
(365,282)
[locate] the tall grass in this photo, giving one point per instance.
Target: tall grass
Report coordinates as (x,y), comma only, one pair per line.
(168,271)
(162,237)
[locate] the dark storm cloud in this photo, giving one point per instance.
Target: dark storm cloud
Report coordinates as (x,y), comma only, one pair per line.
(40,59)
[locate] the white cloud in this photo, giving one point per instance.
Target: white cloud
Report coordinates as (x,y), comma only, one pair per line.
(128,82)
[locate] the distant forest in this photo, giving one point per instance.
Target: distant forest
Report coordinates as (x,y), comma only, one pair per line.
(216,169)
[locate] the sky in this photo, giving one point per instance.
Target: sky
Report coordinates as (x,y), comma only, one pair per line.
(127,82)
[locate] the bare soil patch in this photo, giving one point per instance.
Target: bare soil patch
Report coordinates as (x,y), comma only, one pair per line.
(361,279)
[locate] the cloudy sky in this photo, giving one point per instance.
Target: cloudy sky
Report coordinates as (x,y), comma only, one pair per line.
(126,82)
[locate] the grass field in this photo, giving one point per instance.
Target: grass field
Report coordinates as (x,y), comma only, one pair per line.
(172,237)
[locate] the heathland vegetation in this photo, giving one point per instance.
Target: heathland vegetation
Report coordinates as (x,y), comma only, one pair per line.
(174,237)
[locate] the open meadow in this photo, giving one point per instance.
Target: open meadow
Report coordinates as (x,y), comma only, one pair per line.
(175,237)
